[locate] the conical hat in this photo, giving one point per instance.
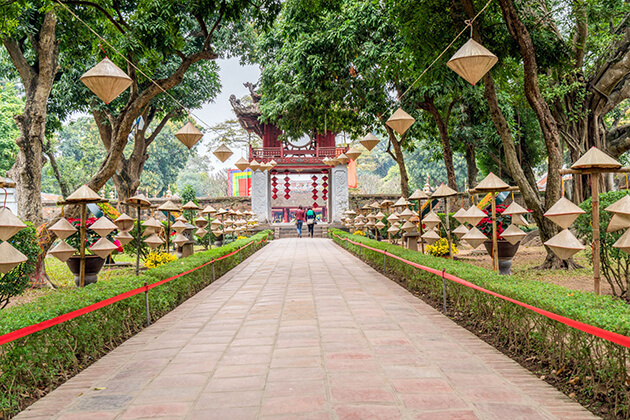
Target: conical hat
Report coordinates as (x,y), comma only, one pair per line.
(513,234)
(190,206)
(124,223)
(409,227)
(459,215)
(430,236)
(217,232)
(564,212)
(152,226)
(402,202)
(375,205)
(618,221)
(474,237)
(623,242)
(460,231)
(62,228)
(181,219)
(181,240)
(124,237)
(595,159)
(431,220)
(386,203)
(564,244)
(380,224)
(189,135)
(106,80)
(83,195)
(342,159)
(223,153)
(492,183)
(472,61)
(139,200)
(518,219)
(153,241)
(393,229)
(400,121)
(621,206)
(10,257)
(406,214)
(380,215)
(443,191)
(201,222)
(62,251)
(229,230)
(474,215)
(103,247)
(209,210)
(254,165)
(242,164)
(201,232)
(168,206)
(216,222)
(393,218)
(179,226)
(515,208)
(370,224)
(103,226)
(353,153)
(9,224)
(369,141)
(418,195)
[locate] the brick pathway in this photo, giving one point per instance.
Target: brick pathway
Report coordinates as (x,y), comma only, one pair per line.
(305,330)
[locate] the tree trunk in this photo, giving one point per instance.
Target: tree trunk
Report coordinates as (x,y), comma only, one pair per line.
(471,165)
(400,160)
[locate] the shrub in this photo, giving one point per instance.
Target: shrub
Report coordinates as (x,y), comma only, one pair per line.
(15,281)
(156,259)
(440,248)
(359,233)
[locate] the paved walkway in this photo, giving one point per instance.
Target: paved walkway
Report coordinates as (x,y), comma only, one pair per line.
(305,330)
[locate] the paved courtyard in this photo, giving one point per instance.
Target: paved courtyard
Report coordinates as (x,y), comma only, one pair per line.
(303,329)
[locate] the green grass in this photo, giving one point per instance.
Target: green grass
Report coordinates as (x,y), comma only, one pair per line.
(60,275)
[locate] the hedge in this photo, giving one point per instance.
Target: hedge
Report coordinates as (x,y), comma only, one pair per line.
(600,366)
(34,365)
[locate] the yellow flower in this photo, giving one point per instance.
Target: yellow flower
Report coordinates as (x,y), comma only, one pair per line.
(156,259)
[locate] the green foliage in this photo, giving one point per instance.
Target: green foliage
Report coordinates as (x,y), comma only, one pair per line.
(15,281)
(43,360)
(189,194)
(10,105)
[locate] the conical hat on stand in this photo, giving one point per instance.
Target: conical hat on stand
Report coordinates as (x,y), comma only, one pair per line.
(563,213)
(380,215)
(474,237)
(9,224)
(623,242)
(216,222)
(386,203)
(564,244)
(10,257)
(124,237)
(181,219)
(460,231)
(513,234)
(595,159)
(375,205)
(418,195)
(106,80)
(103,226)
(201,232)
(402,202)
(139,200)
(103,247)
(153,241)
(621,206)
(618,221)
(515,208)
(406,214)
(190,206)
(209,210)
(83,194)
(168,206)
(124,223)
(431,220)
(62,229)
(472,61)
(492,183)
(189,135)
(430,236)
(369,141)
(180,240)
(409,227)
(443,191)
(62,251)
(178,226)
(400,121)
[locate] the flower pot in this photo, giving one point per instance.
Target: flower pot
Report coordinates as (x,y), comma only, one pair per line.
(506,252)
(93,265)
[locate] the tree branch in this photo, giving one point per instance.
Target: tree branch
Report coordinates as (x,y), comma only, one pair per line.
(100,9)
(19,61)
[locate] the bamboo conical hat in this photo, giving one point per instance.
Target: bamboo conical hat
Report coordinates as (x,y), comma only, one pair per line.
(393,218)
(103,226)
(370,224)
(242,164)
(518,219)
(229,230)
(83,194)
(369,141)
(358,224)
(217,232)
(564,212)
(380,215)
(401,202)
(460,231)
(430,236)
(618,221)
(189,135)
(458,216)
(623,242)
(190,206)
(152,226)
(409,227)
(124,223)
(513,234)
(223,153)
(179,226)
(380,224)
(209,210)
(564,244)
(375,205)
(254,165)
(106,80)
(393,229)
(621,206)
(180,240)
(9,224)
(443,191)
(474,215)
(474,237)
(139,200)
(386,203)
(62,228)
(515,208)
(181,219)
(201,232)
(492,183)
(62,251)
(595,159)
(10,257)
(418,195)
(124,237)
(352,153)
(153,241)
(103,247)
(201,222)
(342,159)
(216,222)
(168,206)
(400,121)
(472,61)
(406,214)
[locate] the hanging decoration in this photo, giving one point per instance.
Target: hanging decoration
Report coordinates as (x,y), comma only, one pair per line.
(242,164)
(342,159)
(369,141)
(352,153)
(9,226)
(106,80)
(472,61)
(314,185)
(223,153)
(274,185)
(400,121)
(189,135)
(254,165)
(287,185)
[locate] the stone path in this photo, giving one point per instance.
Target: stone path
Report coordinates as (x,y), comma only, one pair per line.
(305,330)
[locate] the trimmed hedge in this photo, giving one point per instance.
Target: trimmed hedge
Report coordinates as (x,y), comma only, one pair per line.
(602,366)
(34,365)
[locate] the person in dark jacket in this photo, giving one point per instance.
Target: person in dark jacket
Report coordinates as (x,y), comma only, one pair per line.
(310,220)
(299,220)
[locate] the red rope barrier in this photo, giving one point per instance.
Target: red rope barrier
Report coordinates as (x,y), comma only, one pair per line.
(23,332)
(589,329)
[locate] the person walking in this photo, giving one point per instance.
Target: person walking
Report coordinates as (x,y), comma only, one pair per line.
(310,220)
(299,220)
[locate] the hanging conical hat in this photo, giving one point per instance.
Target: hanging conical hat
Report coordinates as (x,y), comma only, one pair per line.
(62,228)
(474,215)
(152,226)
(189,135)
(474,237)
(223,153)
(518,219)
(153,241)
(9,224)
(393,229)
(406,214)
(492,183)
(443,191)
(595,159)
(430,236)
(564,245)
(513,234)
(209,210)
(460,231)
(621,206)
(460,215)
(409,227)
(380,215)
(369,141)
(139,200)
(180,240)
(618,221)
(62,251)
(201,232)
(393,218)
(418,195)
(179,226)
(380,224)
(124,223)
(623,242)
(515,208)
(431,220)
(216,222)
(103,226)
(124,237)
(342,159)
(103,247)
(181,219)
(217,232)
(353,153)
(400,121)
(358,224)
(472,61)
(106,80)
(229,230)
(201,222)
(190,206)
(242,164)
(83,195)
(10,257)
(254,165)
(370,224)
(564,212)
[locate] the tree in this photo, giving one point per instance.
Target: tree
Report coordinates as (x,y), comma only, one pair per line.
(10,105)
